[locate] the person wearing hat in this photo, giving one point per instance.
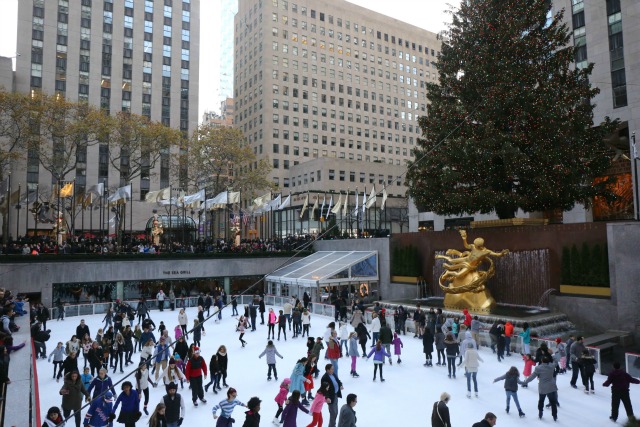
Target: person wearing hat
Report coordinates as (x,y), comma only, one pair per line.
(174,404)
(130,412)
(99,412)
(53,418)
(172,374)
(252,415)
(195,370)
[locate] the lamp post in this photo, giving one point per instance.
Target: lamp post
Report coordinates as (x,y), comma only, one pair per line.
(634,163)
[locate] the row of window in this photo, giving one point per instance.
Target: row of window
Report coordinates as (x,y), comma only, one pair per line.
(316,176)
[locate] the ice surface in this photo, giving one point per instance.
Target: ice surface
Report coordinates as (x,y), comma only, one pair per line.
(406,398)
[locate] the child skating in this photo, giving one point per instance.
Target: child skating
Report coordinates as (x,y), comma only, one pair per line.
(397,346)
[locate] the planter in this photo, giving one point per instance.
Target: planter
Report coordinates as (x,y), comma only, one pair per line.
(512,222)
(592,291)
(404,279)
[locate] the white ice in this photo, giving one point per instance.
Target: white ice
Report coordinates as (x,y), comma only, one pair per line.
(406,398)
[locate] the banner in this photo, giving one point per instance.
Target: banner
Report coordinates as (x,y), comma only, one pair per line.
(97,189)
(384,198)
(121,195)
(304,206)
(336,208)
(373,198)
(193,198)
(66,190)
(156,196)
(286,203)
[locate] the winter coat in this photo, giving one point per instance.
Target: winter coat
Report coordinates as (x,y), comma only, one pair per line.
(427,341)
(397,345)
(363,334)
(317,347)
(344,332)
(290,414)
(588,364)
(58,354)
(281,397)
(386,336)
(143,378)
(353,347)
(192,370)
(271,353)
(223,361)
(271,320)
(98,413)
(378,355)
(252,419)
(529,364)
(357,318)
(183,319)
(316,405)
(510,382)
(375,325)
(475,325)
(130,406)
(172,375)
(619,380)
(297,378)
(452,348)
(472,360)
(439,340)
(333,349)
(508,329)
(440,415)
(464,345)
(100,386)
(526,336)
(544,373)
(347,416)
(72,392)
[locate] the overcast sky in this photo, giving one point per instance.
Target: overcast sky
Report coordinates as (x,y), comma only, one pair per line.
(429,14)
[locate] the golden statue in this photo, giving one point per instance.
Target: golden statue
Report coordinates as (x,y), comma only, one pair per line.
(156,230)
(59,229)
(466,282)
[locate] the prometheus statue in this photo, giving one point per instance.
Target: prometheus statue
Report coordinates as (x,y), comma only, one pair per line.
(463,282)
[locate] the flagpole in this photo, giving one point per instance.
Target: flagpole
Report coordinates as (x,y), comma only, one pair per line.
(73,207)
(130,210)
(58,213)
(35,233)
(17,210)
(91,216)
(26,215)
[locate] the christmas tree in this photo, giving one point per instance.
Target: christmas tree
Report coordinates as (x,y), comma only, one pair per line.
(510,123)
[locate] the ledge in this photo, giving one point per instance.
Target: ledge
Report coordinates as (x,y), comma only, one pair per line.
(594,291)
(511,222)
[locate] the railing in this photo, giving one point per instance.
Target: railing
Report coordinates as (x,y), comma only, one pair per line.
(34,398)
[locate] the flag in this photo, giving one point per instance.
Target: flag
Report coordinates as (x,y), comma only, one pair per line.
(372,198)
(384,198)
(121,195)
(336,208)
(274,203)
(156,196)
(4,190)
(259,201)
(87,200)
(66,190)
(324,199)
(364,200)
(245,217)
(14,199)
(346,204)
(97,189)
(357,209)
(304,205)
(27,198)
(329,207)
(286,203)
(315,206)
(194,198)
(233,197)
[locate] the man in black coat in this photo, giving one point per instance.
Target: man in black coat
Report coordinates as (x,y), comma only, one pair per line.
(488,421)
(262,309)
(253,313)
(334,392)
(440,413)
(82,329)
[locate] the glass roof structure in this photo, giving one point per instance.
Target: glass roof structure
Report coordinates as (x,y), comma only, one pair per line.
(329,267)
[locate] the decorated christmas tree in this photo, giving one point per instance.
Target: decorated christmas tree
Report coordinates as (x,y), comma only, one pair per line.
(510,122)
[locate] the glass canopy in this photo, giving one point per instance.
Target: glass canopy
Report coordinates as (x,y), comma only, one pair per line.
(329,267)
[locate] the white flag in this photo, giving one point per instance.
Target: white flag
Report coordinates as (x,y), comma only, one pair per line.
(233,197)
(346,204)
(329,207)
(336,208)
(259,201)
(384,198)
(122,193)
(355,211)
(286,203)
(97,189)
(304,205)
(372,198)
(195,197)
(315,206)
(324,199)
(364,200)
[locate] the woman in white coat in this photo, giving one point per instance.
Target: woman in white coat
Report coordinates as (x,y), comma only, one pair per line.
(183,321)
(471,364)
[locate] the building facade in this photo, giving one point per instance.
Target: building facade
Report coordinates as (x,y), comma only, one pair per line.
(331,83)
(140,56)
(605,33)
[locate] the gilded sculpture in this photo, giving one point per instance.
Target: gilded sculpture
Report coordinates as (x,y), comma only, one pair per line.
(463,280)
(156,230)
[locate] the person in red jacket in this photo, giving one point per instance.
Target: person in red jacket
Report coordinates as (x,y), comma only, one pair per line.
(467,318)
(508,333)
(619,381)
(195,370)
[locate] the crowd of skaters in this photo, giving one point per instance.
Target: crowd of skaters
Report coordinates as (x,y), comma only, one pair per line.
(176,363)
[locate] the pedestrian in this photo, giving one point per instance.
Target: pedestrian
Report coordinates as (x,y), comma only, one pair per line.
(72,391)
(440,413)
(280,398)
(161,358)
(195,370)
(493,335)
(529,364)
(526,338)
(386,338)
(440,347)
(508,334)
(101,384)
(172,299)
(344,338)
(118,352)
(175,409)
(160,297)
(547,387)
(471,364)
(183,321)
(453,350)
(333,392)
(333,350)
(142,384)
(353,353)
(58,354)
(252,416)
(234,305)
(157,418)
(253,314)
(511,381)
(296,320)
(226,408)
(177,332)
(489,420)
(261,309)
(475,329)
(53,418)
(223,362)
(375,328)
(271,351)
(363,336)
(316,406)
(100,411)
(297,376)
(588,363)
(130,411)
(397,346)
(271,323)
(242,325)
(501,343)
(69,365)
(290,413)
(282,325)
(310,369)
(379,354)
(576,353)
(347,414)
(86,377)
(306,322)
(197,331)
(427,346)
(561,351)
(619,381)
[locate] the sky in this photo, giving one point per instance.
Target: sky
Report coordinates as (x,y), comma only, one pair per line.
(404,399)
(427,14)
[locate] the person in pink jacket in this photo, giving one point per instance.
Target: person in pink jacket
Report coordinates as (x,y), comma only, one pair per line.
(397,346)
(271,323)
(316,406)
(281,397)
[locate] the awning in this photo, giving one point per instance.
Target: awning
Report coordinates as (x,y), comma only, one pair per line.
(329,268)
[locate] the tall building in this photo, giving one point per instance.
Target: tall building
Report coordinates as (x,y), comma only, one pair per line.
(228,10)
(329,92)
(605,33)
(140,56)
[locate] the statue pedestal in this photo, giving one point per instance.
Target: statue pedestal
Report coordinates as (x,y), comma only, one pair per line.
(481,302)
